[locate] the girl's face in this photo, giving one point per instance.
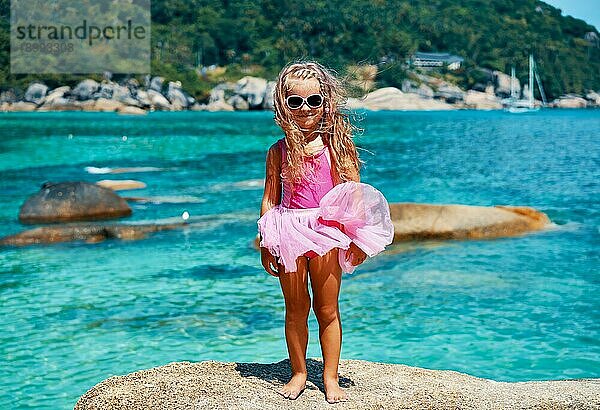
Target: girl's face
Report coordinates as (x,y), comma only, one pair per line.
(306,117)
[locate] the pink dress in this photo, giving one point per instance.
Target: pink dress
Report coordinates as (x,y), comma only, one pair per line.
(314,218)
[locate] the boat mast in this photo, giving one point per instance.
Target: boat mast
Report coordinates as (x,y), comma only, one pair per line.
(512,83)
(541,88)
(530,80)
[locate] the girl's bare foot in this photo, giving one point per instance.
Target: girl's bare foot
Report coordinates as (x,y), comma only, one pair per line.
(292,389)
(333,391)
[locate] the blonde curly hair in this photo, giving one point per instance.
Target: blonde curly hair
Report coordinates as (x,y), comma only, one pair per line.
(335,126)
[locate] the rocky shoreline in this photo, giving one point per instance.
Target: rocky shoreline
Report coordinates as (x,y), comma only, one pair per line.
(422,92)
(370,385)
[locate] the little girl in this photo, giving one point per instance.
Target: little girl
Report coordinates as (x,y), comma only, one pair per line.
(317,218)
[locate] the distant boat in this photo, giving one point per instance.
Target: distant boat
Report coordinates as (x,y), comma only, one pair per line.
(515,105)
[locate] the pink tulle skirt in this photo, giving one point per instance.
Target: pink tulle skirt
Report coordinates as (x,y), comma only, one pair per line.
(349,212)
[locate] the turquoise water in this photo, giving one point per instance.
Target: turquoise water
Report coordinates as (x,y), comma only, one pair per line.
(513,309)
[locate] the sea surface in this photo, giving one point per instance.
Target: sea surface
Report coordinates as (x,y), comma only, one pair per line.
(512,309)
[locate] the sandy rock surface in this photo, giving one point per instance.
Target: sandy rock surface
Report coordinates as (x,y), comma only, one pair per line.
(216,385)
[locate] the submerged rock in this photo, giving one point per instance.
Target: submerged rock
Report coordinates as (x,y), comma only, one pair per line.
(217,385)
(85,232)
(72,201)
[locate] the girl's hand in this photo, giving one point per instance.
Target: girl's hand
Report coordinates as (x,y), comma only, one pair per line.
(355,255)
(269,262)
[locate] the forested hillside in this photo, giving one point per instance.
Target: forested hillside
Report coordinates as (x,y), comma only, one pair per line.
(258,36)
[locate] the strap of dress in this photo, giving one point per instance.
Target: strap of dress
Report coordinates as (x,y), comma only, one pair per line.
(281,143)
(284,198)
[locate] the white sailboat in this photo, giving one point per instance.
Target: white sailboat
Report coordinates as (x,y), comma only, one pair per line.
(515,105)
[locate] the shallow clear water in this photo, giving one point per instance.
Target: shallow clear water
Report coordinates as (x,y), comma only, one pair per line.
(524,308)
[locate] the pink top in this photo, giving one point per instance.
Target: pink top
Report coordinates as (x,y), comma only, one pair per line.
(306,194)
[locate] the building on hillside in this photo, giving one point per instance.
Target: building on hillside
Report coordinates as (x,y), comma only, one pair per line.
(420,59)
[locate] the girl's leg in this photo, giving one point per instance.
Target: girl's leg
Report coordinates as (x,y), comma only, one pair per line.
(325,278)
(297,307)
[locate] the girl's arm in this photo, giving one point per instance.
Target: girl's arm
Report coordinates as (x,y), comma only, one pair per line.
(272,193)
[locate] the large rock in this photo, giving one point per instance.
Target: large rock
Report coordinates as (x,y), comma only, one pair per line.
(431,221)
(72,201)
(179,98)
(218,386)
(238,103)
(593,97)
(253,90)
(57,94)
(450,93)
(502,81)
(482,100)
(570,101)
(158,101)
(85,89)
(156,84)
(269,96)
(35,93)
(222,92)
(104,105)
(391,98)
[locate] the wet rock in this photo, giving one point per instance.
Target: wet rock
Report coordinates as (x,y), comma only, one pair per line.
(72,201)
(85,232)
(369,385)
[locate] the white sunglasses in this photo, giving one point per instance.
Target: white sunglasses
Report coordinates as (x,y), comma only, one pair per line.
(295,101)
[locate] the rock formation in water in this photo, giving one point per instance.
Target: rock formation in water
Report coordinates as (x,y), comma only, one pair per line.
(89,233)
(430,221)
(72,201)
(414,221)
(216,385)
